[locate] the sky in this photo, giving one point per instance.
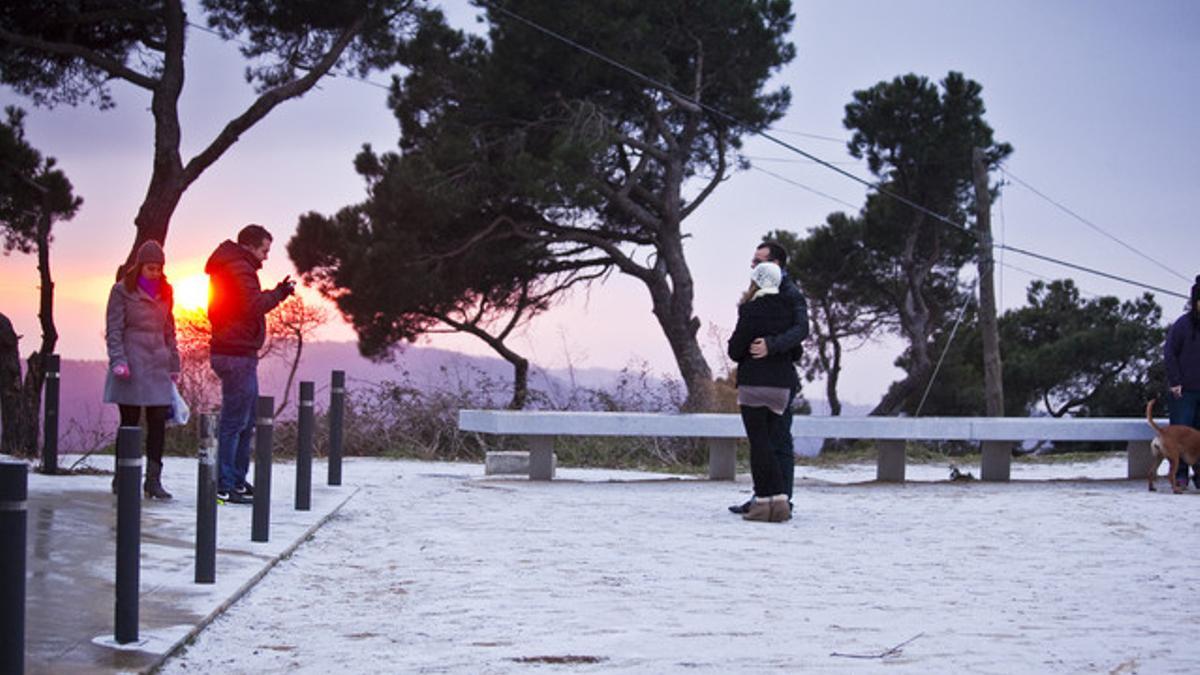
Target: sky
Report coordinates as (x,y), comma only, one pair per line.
(1098,99)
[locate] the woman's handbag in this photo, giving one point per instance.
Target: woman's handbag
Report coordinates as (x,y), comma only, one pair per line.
(179,413)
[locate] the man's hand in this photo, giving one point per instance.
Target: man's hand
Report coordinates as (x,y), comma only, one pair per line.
(758,348)
(1177,391)
(287,286)
(121,370)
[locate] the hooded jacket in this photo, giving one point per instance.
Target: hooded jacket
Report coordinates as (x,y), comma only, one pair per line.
(1181,352)
(237,305)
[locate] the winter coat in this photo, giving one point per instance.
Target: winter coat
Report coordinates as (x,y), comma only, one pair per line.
(237,305)
(1182,354)
(763,317)
(140,334)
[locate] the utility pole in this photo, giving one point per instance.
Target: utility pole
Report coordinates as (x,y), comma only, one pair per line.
(993,379)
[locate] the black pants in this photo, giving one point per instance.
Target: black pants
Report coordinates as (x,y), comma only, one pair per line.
(784,447)
(156,426)
(761,426)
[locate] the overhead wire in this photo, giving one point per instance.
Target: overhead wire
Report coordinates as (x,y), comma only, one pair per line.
(1016,179)
(802,186)
(668,89)
(1043,277)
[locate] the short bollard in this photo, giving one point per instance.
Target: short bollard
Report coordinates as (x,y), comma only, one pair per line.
(206,502)
(261,524)
(50,425)
(129,532)
(304,445)
(337,402)
(14,486)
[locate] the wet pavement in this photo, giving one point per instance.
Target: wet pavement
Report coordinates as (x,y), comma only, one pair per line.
(70,594)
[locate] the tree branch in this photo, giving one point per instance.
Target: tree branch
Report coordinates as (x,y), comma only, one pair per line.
(268,100)
(619,258)
(108,65)
(716,179)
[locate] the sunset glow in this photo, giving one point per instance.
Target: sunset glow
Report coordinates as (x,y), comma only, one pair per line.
(191,292)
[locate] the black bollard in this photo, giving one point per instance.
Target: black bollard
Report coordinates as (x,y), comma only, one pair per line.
(261,525)
(337,402)
(14,487)
(206,502)
(129,531)
(50,424)
(304,445)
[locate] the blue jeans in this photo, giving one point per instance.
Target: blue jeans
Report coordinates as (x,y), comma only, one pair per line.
(784,448)
(1185,410)
(239,397)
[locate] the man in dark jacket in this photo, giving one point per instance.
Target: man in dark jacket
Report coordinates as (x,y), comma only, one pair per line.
(237,309)
(787,342)
(1181,354)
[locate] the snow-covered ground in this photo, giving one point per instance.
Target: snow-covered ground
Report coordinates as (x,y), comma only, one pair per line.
(435,568)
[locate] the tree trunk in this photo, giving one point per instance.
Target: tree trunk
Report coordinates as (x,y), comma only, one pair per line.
(831,378)
(520,382)
(21,401)
(915,322)
(672,293)
(39,361)
(287,388)
(154,215)
(680,327)
(993,380)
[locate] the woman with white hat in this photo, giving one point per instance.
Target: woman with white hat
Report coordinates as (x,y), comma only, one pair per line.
(764,386)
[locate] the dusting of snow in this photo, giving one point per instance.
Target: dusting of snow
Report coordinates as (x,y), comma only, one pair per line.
(433,567)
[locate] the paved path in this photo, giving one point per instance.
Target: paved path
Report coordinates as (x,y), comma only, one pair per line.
(71,562)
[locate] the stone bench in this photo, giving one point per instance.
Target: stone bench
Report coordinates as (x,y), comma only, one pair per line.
(997,435)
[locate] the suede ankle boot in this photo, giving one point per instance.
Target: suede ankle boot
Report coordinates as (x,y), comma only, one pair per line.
(153,488)
(760,510)
(781,510)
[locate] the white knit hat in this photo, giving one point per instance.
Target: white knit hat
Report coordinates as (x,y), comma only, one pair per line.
(767,276)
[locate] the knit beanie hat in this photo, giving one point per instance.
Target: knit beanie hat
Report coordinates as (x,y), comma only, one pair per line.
(150,252)
(767,276)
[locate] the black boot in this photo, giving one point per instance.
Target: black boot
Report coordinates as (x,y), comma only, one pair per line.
(153,488)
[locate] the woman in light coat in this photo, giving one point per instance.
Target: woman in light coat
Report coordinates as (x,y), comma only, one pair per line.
(143,358)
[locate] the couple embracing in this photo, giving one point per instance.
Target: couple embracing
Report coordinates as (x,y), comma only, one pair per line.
(772,323)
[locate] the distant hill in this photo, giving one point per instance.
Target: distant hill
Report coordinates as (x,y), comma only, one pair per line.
(86,420)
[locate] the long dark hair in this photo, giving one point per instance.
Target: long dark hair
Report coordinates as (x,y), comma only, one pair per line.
(165,292)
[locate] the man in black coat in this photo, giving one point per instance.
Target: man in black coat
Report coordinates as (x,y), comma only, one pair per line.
(789,342)
(237,310)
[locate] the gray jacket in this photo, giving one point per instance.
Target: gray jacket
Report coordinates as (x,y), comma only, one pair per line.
(140,333)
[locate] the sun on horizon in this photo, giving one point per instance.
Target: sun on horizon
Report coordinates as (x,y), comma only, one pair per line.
(191,293)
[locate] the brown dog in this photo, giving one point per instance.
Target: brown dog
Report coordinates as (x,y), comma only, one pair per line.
(1173,443)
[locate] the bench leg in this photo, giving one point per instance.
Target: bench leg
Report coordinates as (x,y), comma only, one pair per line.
(891,461)
(997,461)
(541,457)
(1140,459)
(722,459)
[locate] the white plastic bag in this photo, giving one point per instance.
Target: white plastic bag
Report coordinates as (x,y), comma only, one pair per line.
(179,413)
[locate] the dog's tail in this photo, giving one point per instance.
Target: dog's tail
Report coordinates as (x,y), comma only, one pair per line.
(1150,416)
